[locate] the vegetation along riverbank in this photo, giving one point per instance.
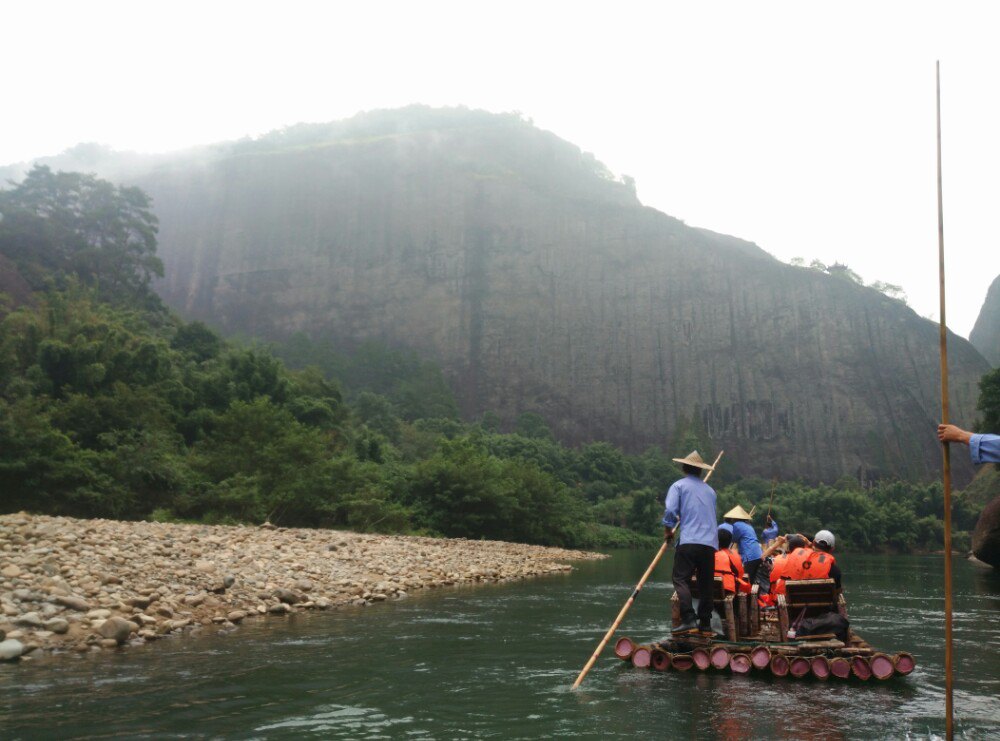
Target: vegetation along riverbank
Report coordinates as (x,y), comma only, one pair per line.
(83,585)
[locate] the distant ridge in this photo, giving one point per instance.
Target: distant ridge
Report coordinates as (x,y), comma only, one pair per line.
(985,334)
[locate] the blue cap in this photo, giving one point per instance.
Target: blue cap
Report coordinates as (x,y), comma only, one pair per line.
(726,526)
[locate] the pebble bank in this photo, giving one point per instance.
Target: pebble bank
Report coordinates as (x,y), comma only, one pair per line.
(87,585)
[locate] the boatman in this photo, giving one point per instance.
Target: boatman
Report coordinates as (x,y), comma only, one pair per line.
(771,531)
(746,541)
(983,448)
(691,503)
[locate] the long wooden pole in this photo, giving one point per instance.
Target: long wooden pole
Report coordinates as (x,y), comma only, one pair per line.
(632,598)
(945,449)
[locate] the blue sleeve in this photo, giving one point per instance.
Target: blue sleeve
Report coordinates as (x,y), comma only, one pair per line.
(985,448)
(672,513)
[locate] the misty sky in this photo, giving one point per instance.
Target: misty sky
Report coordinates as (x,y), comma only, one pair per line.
(807,128)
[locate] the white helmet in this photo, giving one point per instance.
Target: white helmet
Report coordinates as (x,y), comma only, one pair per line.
(826,538)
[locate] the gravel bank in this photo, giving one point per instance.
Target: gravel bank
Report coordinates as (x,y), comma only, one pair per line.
(86,585)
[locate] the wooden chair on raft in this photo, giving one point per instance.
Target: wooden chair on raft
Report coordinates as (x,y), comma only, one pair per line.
(808,598)
(722,602)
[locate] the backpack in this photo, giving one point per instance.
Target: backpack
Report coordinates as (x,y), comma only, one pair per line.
(829,622)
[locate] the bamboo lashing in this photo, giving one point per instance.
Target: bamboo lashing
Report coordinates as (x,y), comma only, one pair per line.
(945,449)
(634,595)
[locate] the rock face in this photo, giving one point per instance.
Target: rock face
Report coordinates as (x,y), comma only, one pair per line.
(986,333)
(542,284)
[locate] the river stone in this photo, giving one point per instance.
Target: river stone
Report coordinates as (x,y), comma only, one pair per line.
(236,616)
(194,599)
(29,619)
(287,596)
(10,572)
(57,625)
(986,536)
(141,602)
(99,614)
(117,628)
(279,609)
(10,649)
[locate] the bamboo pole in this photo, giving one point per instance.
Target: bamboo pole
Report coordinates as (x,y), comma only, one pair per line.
(632,598)
(945,449)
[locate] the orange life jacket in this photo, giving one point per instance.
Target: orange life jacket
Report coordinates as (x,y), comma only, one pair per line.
(724,568)
(802,563)
(805,563)
(729,566)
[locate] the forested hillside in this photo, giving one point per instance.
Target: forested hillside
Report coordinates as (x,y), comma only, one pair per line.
(112,406)
(539,283)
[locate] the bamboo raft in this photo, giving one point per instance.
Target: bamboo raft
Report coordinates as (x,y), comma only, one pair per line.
(757,641)
(823,660)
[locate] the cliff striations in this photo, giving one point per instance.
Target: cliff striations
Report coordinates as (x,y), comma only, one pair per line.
(986,333)
(541,283)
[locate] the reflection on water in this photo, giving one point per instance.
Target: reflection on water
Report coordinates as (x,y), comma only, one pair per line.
(498,662)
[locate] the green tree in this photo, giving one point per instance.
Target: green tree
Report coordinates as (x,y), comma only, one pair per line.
(989,401)
(533,425)
(65,223)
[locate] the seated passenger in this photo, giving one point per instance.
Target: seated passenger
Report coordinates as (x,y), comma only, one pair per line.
(776,578)
(729,566)
(813,563)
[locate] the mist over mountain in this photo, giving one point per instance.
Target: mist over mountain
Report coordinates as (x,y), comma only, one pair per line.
(541,284)
(985,335)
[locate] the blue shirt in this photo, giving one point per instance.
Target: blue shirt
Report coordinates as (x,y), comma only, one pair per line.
(985,448)
(691,501)
(745,538)
(770,533)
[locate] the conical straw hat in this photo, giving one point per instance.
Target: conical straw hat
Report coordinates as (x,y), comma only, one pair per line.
(737,513)
(693,459)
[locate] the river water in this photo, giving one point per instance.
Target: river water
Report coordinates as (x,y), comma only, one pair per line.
(498,661)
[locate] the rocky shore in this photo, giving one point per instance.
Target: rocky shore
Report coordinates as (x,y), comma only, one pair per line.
(87,585)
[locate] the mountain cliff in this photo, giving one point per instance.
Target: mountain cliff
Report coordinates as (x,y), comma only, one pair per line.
(985,335)
(542,284)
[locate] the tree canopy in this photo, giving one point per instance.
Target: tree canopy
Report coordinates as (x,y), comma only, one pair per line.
(56,225)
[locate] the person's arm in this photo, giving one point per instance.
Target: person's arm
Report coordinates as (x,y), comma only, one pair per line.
(984,448)
(835,575)
(778,543)
(953,434)
(672,512)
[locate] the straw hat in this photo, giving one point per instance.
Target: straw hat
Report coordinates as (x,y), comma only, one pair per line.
(693,459)
(737,513)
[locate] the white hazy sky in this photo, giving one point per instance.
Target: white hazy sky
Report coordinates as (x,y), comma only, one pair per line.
(805,127)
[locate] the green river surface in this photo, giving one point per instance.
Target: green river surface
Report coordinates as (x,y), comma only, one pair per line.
(497,661)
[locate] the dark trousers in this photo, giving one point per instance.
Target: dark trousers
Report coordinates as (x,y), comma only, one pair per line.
(750,570)
(690,559)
